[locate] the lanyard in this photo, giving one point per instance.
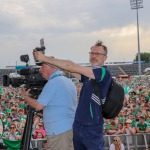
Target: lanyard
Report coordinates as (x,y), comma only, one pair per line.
(57,75)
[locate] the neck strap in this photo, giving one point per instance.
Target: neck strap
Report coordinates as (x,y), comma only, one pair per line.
(57,75)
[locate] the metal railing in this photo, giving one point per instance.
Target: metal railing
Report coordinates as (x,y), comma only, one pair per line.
(137,141)
(40,144)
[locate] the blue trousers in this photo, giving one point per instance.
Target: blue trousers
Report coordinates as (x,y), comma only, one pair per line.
(88,137)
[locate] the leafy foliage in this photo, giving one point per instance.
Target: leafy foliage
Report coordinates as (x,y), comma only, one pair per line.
(144,57)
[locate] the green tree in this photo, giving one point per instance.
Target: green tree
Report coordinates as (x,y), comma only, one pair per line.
(144,57)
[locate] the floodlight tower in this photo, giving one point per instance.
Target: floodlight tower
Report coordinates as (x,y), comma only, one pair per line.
(137,4)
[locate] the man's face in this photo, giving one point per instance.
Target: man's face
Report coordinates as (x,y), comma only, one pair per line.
(46,71)
(112,126)
(131,117)
(20,112)
(141,120)
(107,120)
(97,56)
(134,107)
(8,120)
(121,113)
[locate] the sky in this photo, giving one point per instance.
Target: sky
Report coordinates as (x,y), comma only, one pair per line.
(70,28)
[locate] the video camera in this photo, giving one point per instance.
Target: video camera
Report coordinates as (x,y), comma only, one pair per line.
(28,76)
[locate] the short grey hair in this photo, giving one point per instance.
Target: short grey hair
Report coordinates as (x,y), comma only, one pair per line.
(100,43)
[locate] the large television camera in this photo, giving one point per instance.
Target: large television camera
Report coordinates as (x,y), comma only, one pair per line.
(28,77)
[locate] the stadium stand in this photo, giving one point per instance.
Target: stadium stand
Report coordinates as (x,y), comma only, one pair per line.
(138,141)
(5,72)
(115,70)
(126,69)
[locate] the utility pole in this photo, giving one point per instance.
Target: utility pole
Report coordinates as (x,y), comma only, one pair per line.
(137,4)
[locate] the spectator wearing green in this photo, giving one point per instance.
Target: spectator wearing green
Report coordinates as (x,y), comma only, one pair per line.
(139,113)
(132,117)
(3,117)
(113,128)
(148,115)
(12,134)
(10,96)
(12,138)
(21,114)
(107,125)
(14,113)
(134,110)
(121,116)
(1,90)
(22,104)
(142,126)
(127,90)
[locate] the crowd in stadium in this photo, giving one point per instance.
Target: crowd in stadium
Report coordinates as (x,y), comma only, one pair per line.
(133,118)
(135,115)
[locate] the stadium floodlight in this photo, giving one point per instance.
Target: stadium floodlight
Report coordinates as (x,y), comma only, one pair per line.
(137,4)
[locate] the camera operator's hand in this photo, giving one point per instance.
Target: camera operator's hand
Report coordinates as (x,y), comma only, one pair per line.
(31,101)
(25,93)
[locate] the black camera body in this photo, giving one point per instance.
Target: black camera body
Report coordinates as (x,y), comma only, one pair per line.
(28,77)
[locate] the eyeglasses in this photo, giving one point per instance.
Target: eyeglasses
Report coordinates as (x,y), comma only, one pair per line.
(97,54)
(115,140)
(12,127)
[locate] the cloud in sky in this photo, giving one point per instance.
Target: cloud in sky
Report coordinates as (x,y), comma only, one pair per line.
(70,28)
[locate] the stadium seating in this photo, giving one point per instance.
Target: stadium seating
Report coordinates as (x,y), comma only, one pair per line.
(115,70)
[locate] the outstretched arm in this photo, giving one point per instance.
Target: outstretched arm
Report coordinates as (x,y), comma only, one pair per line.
(67,65)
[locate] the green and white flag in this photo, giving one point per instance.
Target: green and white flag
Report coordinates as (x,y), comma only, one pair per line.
(1,90)
(12,145)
